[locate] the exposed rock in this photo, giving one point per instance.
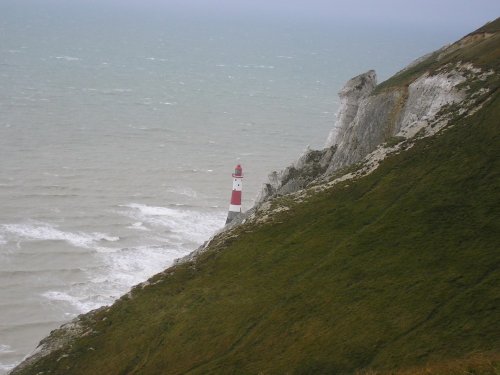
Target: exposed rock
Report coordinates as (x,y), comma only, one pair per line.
(395,115)
(60,338)
(351,94)
(373,123)
(367,118)
(310,165)
(427,95)
(231,215)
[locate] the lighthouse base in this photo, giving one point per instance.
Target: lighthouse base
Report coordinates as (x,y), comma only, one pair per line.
(231,215)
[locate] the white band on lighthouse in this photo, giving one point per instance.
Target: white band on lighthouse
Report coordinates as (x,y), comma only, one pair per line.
(235,205)
(235,208)
(237,183)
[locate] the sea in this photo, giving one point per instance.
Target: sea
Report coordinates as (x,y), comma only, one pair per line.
(120,127)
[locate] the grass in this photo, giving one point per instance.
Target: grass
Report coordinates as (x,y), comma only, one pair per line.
(394,140)
(476,364)
(484,54)
(397,272)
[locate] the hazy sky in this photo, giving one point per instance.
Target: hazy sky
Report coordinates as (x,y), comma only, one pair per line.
(451,15)
(456,14)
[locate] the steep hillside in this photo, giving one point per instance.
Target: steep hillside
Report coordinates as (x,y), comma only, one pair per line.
(392,270)
(413,102)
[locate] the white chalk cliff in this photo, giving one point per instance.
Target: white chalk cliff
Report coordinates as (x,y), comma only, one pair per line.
(370,116)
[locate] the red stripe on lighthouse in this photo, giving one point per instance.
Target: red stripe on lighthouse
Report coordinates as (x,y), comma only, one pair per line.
(236,197)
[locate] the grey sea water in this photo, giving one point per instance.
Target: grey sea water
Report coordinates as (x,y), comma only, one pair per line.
(119,130)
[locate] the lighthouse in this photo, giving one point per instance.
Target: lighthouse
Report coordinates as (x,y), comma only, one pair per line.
(235,206)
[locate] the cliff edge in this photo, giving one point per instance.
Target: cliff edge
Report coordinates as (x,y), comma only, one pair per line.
(410,104)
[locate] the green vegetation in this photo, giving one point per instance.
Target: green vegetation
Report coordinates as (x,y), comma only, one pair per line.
(397,272)
(480,49)
(394,140)
(477,364)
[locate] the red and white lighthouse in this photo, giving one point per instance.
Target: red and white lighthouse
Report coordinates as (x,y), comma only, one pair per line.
(235,206)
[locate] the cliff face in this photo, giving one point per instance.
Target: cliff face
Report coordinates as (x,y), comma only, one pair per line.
(368,116)
(352,93)
(373,122)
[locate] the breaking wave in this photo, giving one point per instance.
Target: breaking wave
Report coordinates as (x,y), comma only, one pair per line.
(192,225)
(165,235)
(45,231)
(67,58)
(6,349)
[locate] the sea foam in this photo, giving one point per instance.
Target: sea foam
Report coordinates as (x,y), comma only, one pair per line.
(67,58)
(169,233)
(6,349)
(119,272)
(82,303)
(7,367)
(191,225)
(45,231)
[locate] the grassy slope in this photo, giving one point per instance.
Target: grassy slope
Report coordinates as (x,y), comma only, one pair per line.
(397,269)
(484,54)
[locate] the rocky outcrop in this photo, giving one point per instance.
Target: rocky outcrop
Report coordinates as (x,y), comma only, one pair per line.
(310,165)
(60,338)
(427,95)
(352,93)
(372,124)
(368,117)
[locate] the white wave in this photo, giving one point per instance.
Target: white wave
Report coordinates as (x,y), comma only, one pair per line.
(44,231)
(115,91)
(58,296)
(105,237)
(67,58)
(171,233)
(134,265)
(5,349)
(255,66)
(124,269)
(248,66)
(151,210)
(156,59)
(121,90)
(191,225)
(188,192)
(82,302)
(139,226)
(7,367)
(3,241)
